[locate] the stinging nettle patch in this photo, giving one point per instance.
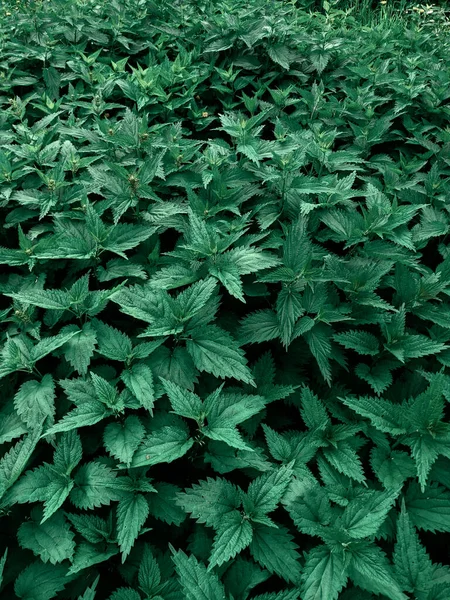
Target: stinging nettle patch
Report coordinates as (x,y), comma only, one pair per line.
(224,286)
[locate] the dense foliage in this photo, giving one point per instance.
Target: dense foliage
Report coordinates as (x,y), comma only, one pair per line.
(224,303)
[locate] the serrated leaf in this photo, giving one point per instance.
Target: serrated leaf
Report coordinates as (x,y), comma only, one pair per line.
(370,570)
(122,439)
(40,581)
(266,491)
(196,581)
(275,550)
(52,540)
(79,350)
(213,350)
(14,462)
(132,512)
(139,380)
(112,343)
(233,535)
(163,446)
(324,575)
(95,486)
(413,566)
(34,402)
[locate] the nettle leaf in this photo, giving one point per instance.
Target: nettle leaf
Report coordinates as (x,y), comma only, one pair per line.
(41,581)
(265,492)
(261,326)
(149,573)
(361,342)
(139,380)
(429,510)
(224,411)
(413,566)
(79,350)
(34,402)
(112,343)
(324,575)
(364,516)
(233,535)
(163,505)
(370,570)
(87,555)
(52,541)
(132,512)
(213,350)
(196,581)
(184,402)
(122,439)
(162,446)
(13,463)
(209,501)
(94,485)
(275,550)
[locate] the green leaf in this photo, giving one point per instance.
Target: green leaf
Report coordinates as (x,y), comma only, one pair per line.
(289,308)
(413,566)
(275,550)
(370,570)
(124,236)
(210,501)
(361,342)
(242,576)
(95,485)
(260,326)
(139,380)
(195,297)
(318,340)
(68,453)
(392,468)
(280,54)
(112,343)
(122,439)
(233,535)
(429,510)
(184,403)
(49,299)
(132,512)
(163,506)
(149,573)
(40,581)
(11,426)
(162,446)
(265,492)
(105,392)
(48,345)
(196,581)
(324,575)
(384,415)
(79,350)
(89,594)
(14,462)
(34,402)
(364,516)
(87,414)
(87,555)
(225,411)
(52,540)
(214,350)
(125,594)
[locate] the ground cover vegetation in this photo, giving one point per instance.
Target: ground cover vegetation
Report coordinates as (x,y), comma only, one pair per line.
(224,302)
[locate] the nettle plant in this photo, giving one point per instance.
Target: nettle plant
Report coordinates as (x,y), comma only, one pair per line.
(224,302)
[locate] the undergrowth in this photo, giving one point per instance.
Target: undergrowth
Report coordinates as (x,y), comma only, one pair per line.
(224,301)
